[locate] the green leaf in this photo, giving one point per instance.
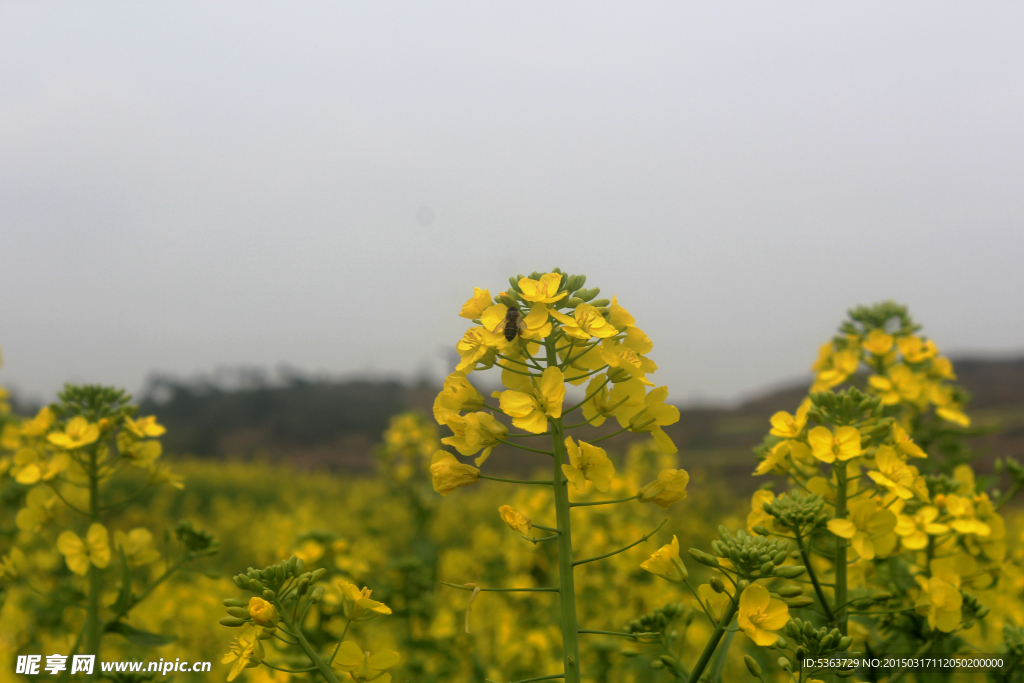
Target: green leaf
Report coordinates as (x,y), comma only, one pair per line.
(137,636)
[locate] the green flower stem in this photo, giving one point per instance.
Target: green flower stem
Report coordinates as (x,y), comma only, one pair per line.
(518,372)
(290,671)
(719,664)
(348,622)
(572,359)
(579,377)
(544,482)
(840,558)
(814,579)
(535,541)
(92,611)
(552,589)
(622,550)
(546,528)
(566,580)
(589,396)
(716,637)
(604,502)
(65,501)
(314,658)
(524,448)
(623,634)
(700,602)
(604,413)
(634,428)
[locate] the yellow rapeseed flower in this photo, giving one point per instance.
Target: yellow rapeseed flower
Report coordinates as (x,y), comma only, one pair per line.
(665,563)
(11,565)
(357,605)
(893,473)
(262,612)
(30,467)
(515,520)
(962,509)
(457,395)
(941,601)
(40,424)
(618,356)
(878,343)
(38,511)
(596,407)
(826,446)
(447,473)
(145,427)
(901,384)
(654,415)
(869,528)
(790,426)
(476,346)
(916,350)
(475,305)
(77,433)
(137,545)
(79,553)
(530,411)
(669,488)
(915,530)
(587,462)
(760,614)
(585,323)
(543,291)
(473,432)
(363,666)
(905,444)
(246,652)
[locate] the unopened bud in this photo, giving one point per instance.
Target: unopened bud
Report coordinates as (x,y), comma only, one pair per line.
(317,593)
(760,530)
(784,664)
(240,612)
(232,621)
(800,601)
(717,585)
(269,595)
(255,586)
(303,586)
(703,557)
(234,602)
(790,591)
(790,571)
(844,643)
(752,666)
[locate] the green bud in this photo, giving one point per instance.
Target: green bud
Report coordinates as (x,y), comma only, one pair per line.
(801,601)
(508,300)
(760,530)
(844,643)
(240,612)
(781,642)
(784,664)
(826,642)
(780,557)
(234,602)
(703,557)
(790,571)
(752,666)
(233,622)
(255,586)
(657,664)
(767,568)
(241,581)
(317,575)
(269,595)
(317,593)
(588,294)
(790,591)
(845,673)
(300,565)
(573,302)
(514,282)
(600,303)
(881,595)
(717,585)
(303,586)
(266,633)
(629,653)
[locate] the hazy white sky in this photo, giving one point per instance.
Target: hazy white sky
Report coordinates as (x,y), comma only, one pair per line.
(190,184)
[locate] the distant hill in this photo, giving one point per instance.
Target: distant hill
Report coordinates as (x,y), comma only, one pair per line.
(335,424)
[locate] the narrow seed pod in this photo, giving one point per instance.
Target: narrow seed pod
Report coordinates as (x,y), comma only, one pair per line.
(752,666)
(801,601)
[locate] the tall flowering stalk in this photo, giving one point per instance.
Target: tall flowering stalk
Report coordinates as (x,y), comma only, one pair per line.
(547,331)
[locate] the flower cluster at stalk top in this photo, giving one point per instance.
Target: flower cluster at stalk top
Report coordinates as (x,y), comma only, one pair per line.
(544,332)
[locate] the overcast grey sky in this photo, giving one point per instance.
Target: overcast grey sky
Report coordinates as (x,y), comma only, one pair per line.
(190,184)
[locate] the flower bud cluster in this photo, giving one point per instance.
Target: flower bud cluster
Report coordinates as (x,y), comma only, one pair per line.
(660,619)
(844,408)
(755,556)
(811,642)
(797,512)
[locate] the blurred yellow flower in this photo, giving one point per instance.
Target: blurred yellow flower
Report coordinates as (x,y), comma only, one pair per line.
(457,395)
(362,666)
(587,462)
(144,427)
(246,652)
(79,432)
(11,564)
(916,530)
(29,467)
(473,432)
(516,520)
(878,342)
(760,613)
(941,601)
(916,350)
(669,488)
(79,553)
(893,473)
(905,444)
(40,424)
(38,511)
(665,562)
(137,545)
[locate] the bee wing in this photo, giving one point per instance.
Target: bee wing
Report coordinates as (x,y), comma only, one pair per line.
(500,327)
